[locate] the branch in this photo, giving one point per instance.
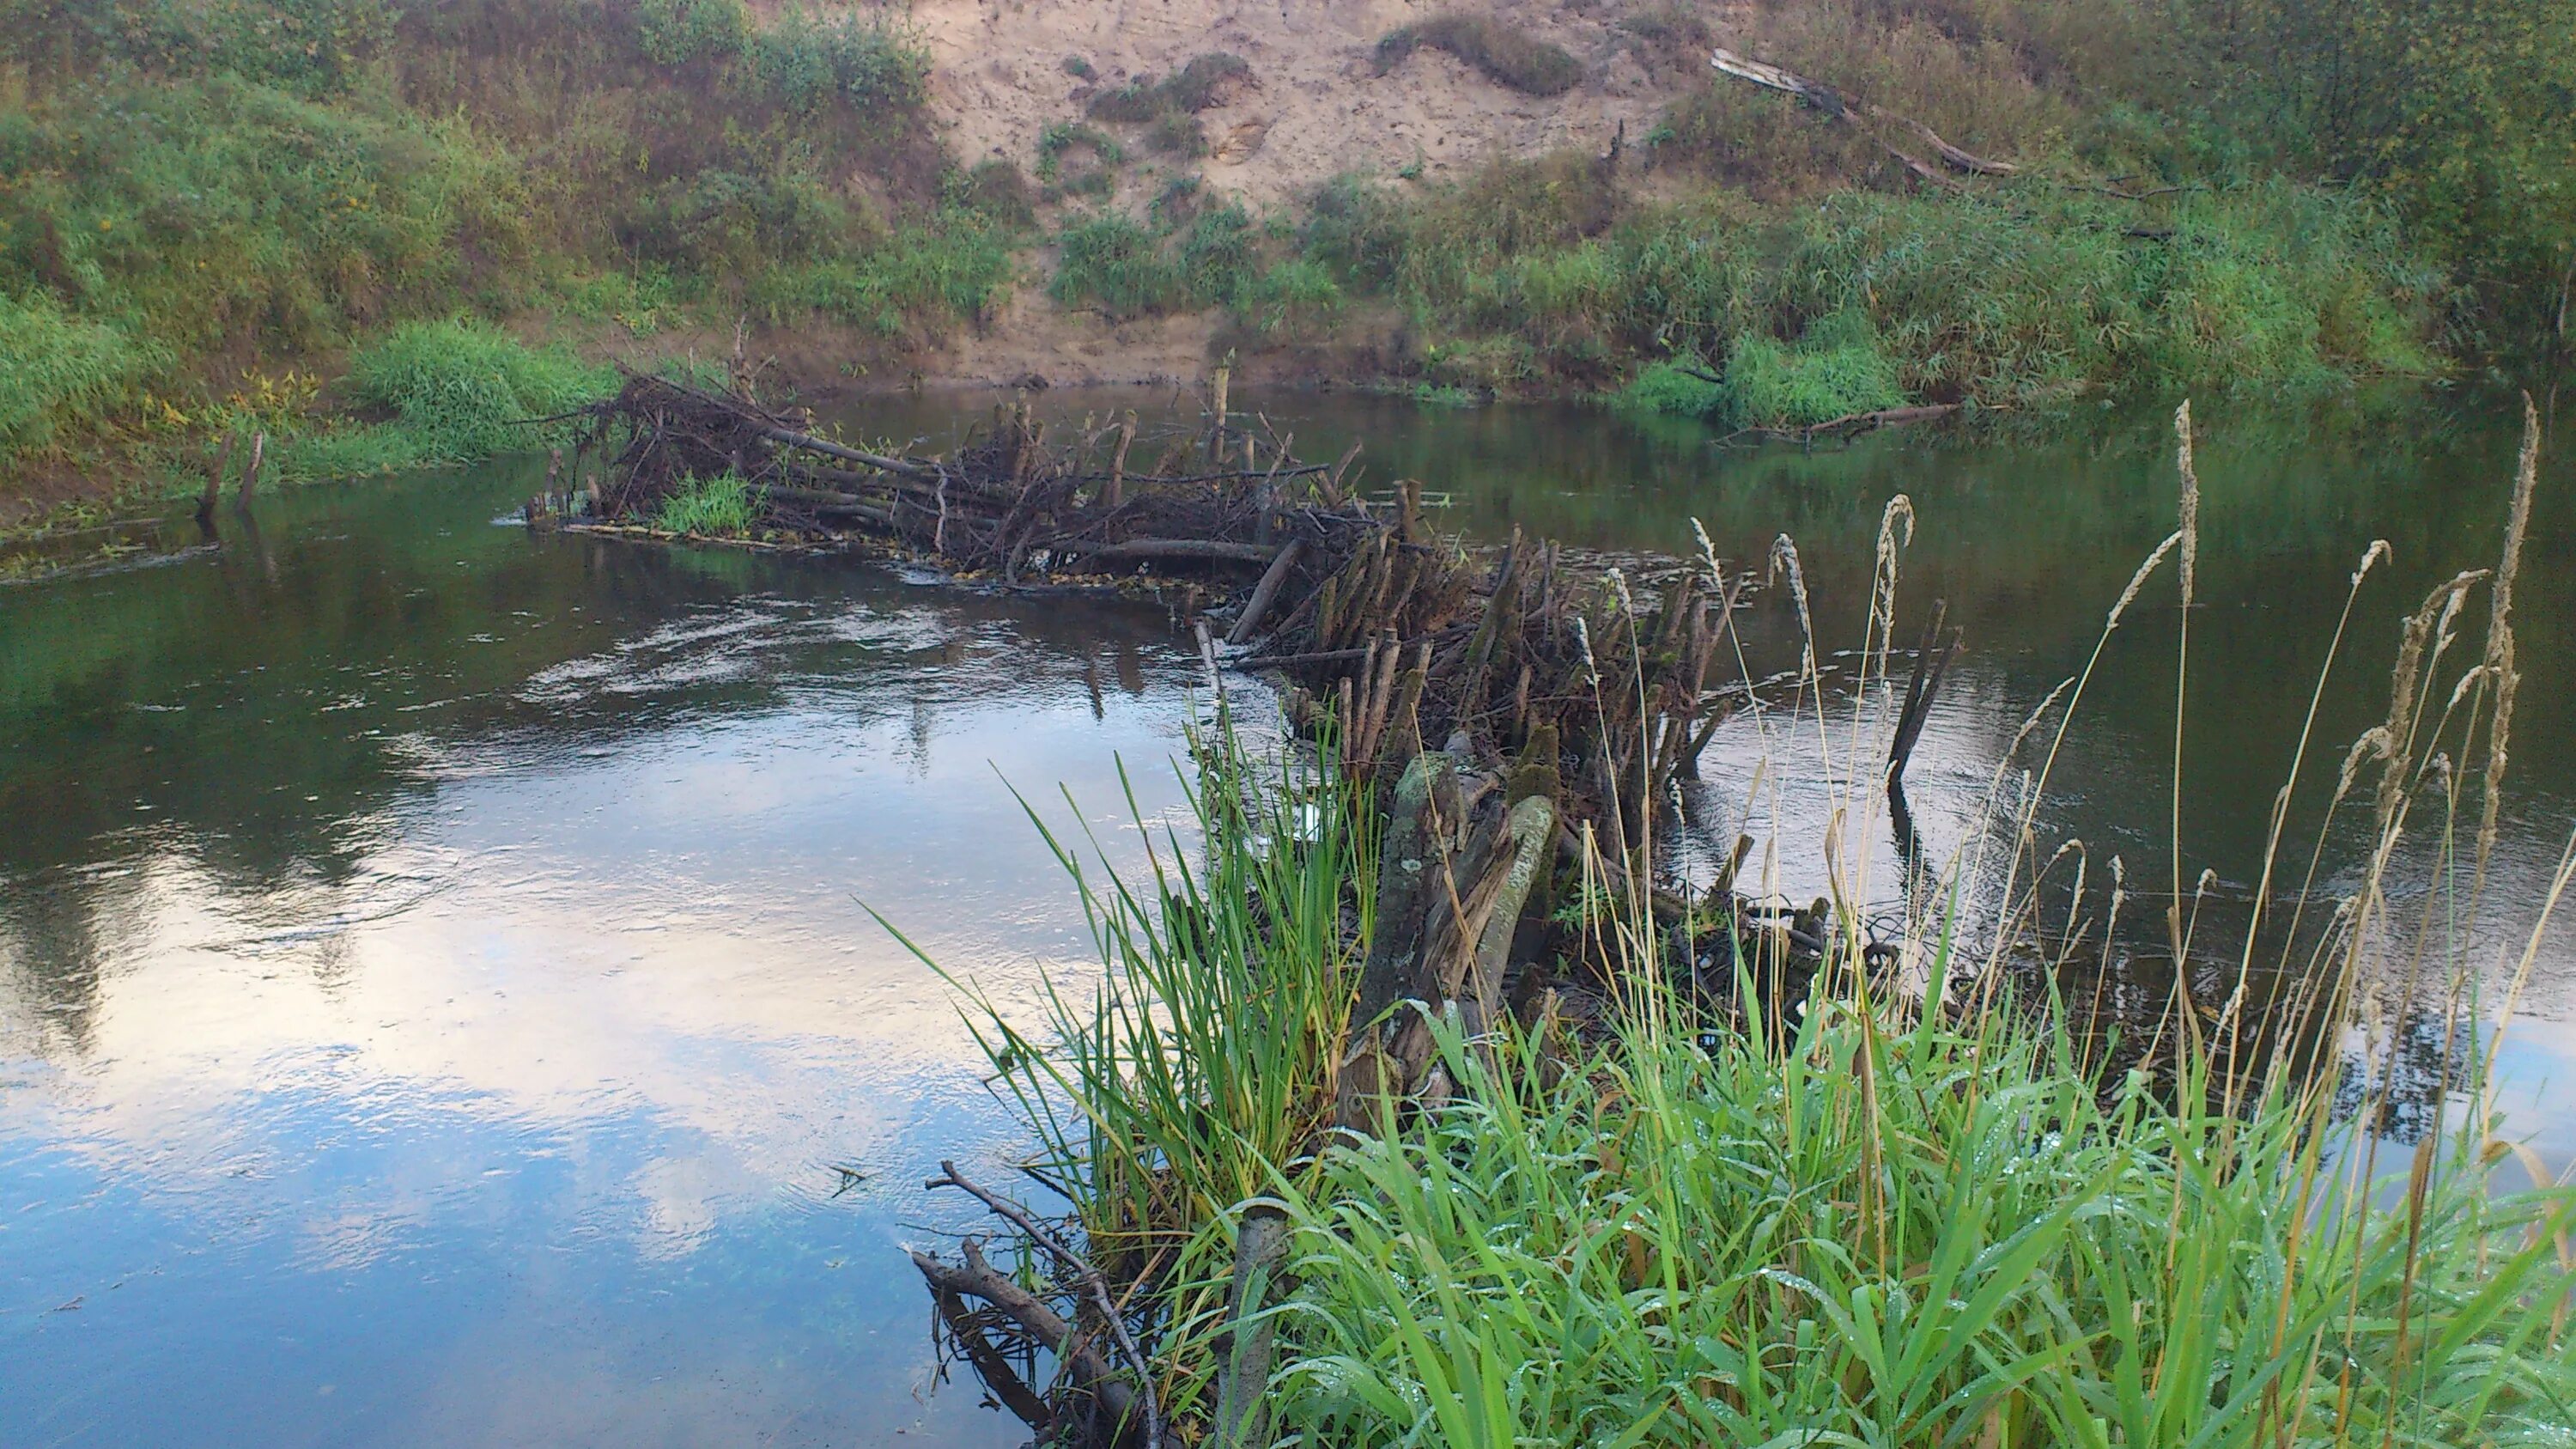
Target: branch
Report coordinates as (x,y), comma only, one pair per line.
(1097,1286)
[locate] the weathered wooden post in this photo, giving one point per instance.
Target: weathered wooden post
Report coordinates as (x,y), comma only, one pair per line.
(215,482)
(250,475)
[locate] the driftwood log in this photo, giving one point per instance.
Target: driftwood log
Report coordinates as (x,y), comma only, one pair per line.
(1851,110)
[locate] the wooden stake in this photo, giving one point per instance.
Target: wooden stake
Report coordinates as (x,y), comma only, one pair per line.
(1265,593)
(1117,491)
(250,475)
(215,480)
(1218,384)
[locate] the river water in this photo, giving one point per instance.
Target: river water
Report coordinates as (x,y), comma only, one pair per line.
(438,997)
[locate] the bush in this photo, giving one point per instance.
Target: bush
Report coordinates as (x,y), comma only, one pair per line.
(311,47)
(1836,370)
(55,369)
(1110,262)
(465,389)
(676,32)
(1187,91)
(812,63)
(1062,136)
(1506,55)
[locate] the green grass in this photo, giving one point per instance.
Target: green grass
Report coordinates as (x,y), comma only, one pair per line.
(55,370)
(1505,54)
(2017,295)
(724,506)
(266,181)
(1837,369)
(465,391)
(1973,1222)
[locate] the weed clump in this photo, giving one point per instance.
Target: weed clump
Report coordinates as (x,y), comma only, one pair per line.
(1681,389)
(723,506)
(466,391)
(1060,137)
(1836,370)
(1506,55)
(1191,89)
(55,369)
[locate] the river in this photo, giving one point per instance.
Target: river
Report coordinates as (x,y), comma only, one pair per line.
(439,1002)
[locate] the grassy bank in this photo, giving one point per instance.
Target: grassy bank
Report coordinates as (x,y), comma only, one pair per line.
(1918,1200)
(214,215)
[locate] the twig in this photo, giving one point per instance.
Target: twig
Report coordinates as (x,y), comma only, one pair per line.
(1091,1280)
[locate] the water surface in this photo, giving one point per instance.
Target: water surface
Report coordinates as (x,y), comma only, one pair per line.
(437,1003)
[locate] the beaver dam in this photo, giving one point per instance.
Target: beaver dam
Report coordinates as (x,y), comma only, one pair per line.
(1465,909)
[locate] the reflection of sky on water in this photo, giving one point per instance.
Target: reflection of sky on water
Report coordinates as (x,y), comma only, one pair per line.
(435,994)
(523,1119)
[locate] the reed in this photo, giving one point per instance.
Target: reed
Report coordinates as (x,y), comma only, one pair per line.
(1924,1200)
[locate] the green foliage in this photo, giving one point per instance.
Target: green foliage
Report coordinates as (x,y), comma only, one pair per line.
(1836,370)
(465,390)
(311,47)
(955,269)
(2021,296)
(1505,54)
(813,63)
(1059,137)
(676,32)
(994,190)
(1186,92)
(1111,262)
(724,506)
(270,178)
(55,370)
(2460,113)
(717,222)
(1666,387)
(1193,255)
(1897,1237)
(206,212)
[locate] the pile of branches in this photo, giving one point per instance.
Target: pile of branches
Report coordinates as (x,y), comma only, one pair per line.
(1007,503)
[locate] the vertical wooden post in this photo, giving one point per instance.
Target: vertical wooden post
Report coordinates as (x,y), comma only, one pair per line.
(250,475)
(215,481)
(1218,384)
(1117,490)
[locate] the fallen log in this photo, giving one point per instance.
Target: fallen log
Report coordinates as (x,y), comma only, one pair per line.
(1841,106)
(1148,549)
(1849,425)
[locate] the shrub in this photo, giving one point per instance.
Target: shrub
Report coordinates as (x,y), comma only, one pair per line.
(996,190)
(812,63)
(1187,91)
(676,32)
(55,369)
(1506,55)
(1062,136)
(465,389)
(1110,262)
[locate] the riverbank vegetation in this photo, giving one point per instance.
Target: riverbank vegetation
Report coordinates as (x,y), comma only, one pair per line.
(1920,1196)
(200,200)
(204,200)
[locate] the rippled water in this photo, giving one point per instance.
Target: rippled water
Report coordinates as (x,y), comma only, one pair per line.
(437,999)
